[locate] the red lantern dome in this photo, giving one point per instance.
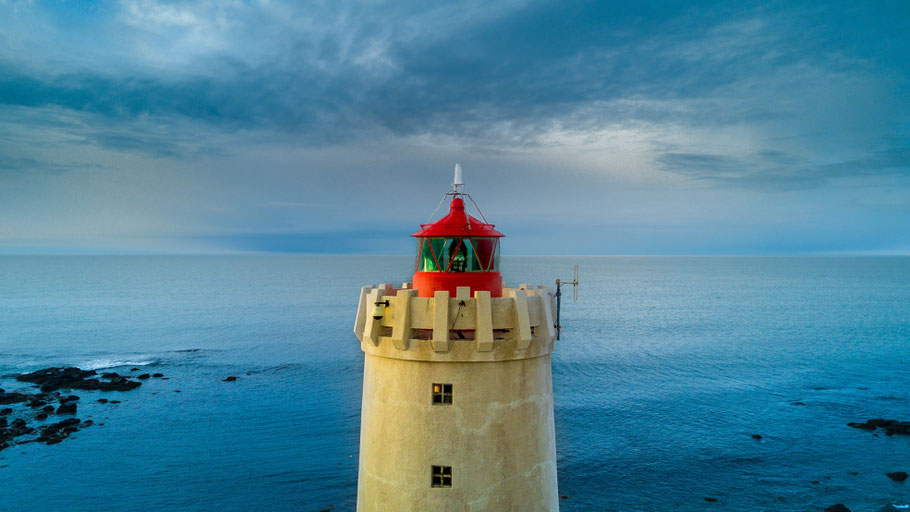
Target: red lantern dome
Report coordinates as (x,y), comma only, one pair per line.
(457,250)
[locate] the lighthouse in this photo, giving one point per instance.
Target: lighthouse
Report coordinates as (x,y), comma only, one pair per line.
(457,408)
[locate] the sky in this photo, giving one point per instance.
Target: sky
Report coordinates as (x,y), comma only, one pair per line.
(694,127)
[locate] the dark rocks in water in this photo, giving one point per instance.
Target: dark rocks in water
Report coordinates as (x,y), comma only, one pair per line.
(110,375)
(2,391)
(897,427)
(756,436)
(837,508)
(88,422)
(115,401)
(102,400)
(66,409)
(229,378)
(52,379)
(15,429)
(563,497)
(157,375)
(710,499)
(898,476)
(815,482)
(13,398)
(122,384)
(890,427)
(69,422)
(799,403)
(134,369)
(143,376)
(53,433)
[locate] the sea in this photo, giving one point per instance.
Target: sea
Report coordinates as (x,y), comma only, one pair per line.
(666,369)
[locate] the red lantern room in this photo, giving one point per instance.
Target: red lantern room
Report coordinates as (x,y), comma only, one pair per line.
(457,250)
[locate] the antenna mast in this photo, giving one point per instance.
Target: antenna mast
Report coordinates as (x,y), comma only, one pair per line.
(459,182)
(559,283)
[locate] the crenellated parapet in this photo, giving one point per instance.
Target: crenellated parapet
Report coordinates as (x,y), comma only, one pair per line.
(396,323)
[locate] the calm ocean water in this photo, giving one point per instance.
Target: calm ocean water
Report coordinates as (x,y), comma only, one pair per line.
(667,367)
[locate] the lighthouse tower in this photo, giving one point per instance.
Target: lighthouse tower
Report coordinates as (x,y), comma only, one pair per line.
(457,390)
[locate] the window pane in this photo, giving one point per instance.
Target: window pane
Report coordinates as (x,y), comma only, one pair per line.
(494,262)
(485,247)
(458,251)
(442,394)
(418,260)
(441,476)
(474,265)
(462,255)
(432,247)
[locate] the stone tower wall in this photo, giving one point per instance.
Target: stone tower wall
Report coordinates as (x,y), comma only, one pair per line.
(497,434)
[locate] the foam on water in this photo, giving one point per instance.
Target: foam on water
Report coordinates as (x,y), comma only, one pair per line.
(103,364)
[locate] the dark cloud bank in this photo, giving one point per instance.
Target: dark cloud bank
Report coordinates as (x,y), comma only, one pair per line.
(822,88)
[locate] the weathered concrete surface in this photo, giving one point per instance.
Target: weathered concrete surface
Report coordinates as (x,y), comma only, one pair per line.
(498,435)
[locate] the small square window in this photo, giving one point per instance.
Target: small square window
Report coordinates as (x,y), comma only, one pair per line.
(441,476)
(442,394)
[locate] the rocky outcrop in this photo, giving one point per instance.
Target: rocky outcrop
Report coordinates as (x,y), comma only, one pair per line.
(897,476)
(53,433)
(13,398)
(66,409)
(889,427)
(14,429)
(53,379)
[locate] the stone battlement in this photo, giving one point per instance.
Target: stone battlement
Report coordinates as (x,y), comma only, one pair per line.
(518,325)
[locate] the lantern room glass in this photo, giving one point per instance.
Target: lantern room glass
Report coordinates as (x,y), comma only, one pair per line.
(455,255)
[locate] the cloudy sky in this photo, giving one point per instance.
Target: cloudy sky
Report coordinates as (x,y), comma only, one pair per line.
(582,127)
